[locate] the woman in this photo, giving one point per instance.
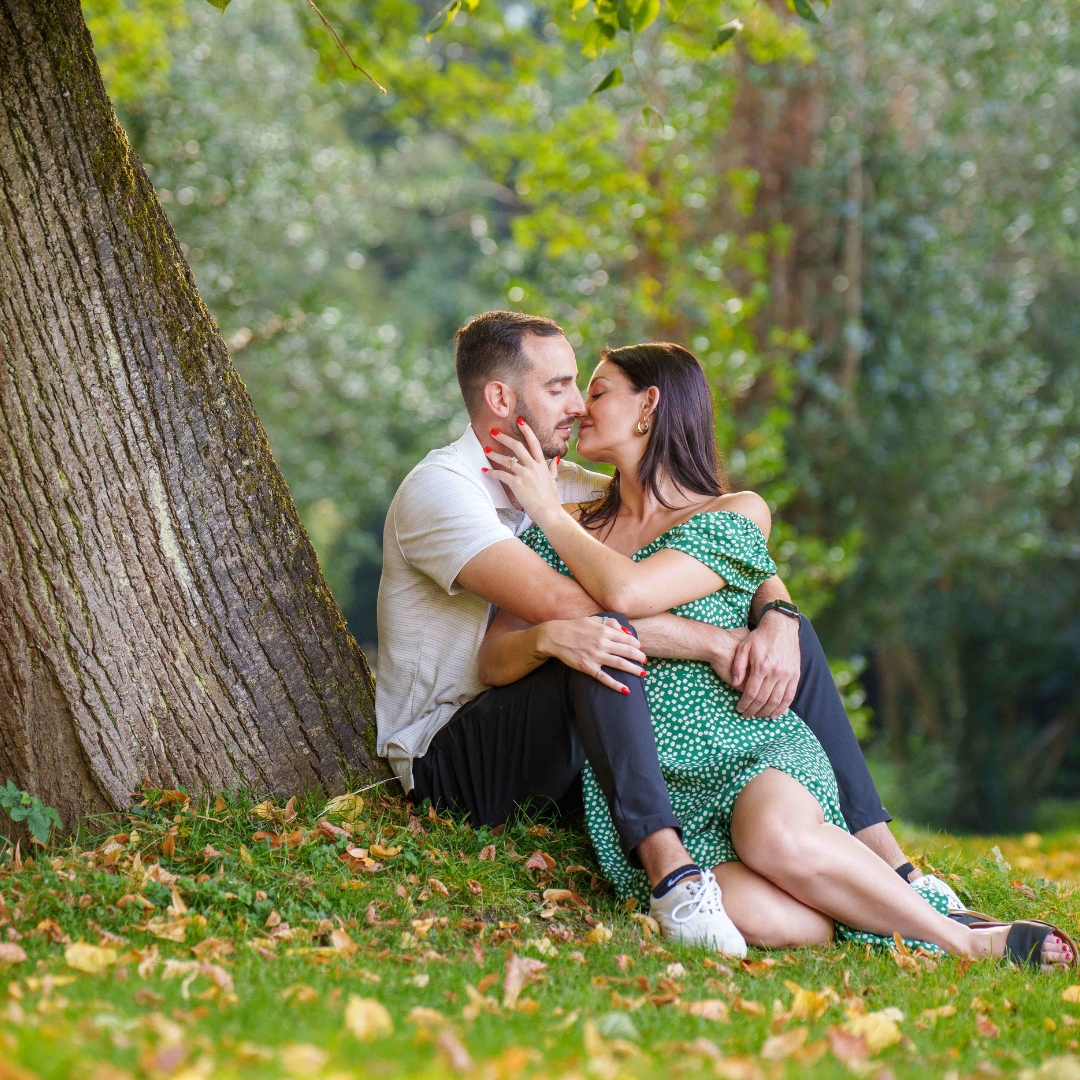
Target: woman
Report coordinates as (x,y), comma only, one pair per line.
(756,797)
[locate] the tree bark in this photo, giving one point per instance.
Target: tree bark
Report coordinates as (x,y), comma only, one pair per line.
(162,613)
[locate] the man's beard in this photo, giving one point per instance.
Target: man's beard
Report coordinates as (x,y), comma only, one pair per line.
(552,444)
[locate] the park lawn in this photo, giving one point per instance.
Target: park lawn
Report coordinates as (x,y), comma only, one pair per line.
(225,953)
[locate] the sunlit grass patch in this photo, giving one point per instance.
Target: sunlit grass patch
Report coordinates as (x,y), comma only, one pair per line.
(243,937)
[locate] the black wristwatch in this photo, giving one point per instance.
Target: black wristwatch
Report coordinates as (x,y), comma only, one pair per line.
(784,606)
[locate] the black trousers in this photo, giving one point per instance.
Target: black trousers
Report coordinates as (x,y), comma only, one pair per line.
(525,744)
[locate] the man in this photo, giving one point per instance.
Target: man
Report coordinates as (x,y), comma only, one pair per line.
(451,556)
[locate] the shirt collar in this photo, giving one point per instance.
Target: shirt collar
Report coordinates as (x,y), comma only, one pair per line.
(473,452)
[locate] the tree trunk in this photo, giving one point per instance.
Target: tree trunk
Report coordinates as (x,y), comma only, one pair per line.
(162,613)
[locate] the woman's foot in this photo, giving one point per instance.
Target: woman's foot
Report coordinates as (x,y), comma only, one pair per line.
(990,941)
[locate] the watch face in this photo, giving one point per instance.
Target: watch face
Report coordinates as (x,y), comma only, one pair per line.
(783,605)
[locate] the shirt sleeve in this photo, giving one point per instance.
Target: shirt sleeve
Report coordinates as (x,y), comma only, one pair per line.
(441,520)
(727,543)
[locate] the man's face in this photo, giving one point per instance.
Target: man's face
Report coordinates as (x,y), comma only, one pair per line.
(549,400)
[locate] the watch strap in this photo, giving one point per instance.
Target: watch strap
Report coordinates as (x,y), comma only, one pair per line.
(785,607)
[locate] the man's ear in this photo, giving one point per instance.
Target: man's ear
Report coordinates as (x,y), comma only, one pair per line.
(500,398)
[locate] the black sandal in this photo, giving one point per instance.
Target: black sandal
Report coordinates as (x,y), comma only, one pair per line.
(1023,945)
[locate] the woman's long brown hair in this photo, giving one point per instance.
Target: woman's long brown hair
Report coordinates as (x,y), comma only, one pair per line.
(682,436)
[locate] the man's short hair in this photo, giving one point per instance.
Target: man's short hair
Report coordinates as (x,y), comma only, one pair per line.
(489,347)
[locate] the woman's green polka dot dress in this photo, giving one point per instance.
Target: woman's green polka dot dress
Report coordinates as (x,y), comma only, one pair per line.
(708,752)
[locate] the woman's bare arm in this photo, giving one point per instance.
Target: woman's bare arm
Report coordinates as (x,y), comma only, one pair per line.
(512,649)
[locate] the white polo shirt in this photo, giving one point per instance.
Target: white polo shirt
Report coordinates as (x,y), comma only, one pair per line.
(430,628)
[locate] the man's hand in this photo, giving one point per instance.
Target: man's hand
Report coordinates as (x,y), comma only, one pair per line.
(766,667)
(723,645)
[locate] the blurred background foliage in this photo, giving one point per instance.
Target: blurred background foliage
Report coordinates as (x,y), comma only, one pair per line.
(867,232)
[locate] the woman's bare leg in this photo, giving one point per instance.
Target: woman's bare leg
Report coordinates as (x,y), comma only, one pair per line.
(766,916)
(779,830)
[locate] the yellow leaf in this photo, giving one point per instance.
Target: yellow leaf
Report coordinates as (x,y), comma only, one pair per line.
(806,1004)
(220,805)
(422,927)
(349,807)
(381,852)
(367,1019)
(341,941)
(646,924)
(598,935)
(1071,993)
(556,895)
(93,959)
(245,856)
(177,907)
(879,1029)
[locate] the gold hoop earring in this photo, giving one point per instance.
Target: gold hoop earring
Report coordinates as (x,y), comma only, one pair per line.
(643,426)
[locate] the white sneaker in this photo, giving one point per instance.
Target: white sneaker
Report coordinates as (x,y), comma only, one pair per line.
(693,912)
(931,883)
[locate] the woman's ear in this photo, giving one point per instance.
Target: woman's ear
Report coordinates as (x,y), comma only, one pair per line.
(500,398)
(650,400)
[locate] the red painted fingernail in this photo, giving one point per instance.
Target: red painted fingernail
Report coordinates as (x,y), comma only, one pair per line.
(520,421)
(626,689)
(558,458)
(624,629)
(487,449)
(494,431)
(642,673)
(485,470)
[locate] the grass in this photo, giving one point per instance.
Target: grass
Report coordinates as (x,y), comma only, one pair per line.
(243,997)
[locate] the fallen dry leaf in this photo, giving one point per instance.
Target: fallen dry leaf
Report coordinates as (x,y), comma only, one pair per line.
(487,853)
(748,1006)
(380,852)
(342,943)
(367,1019)
(92,959)
(806,1004)
(435,884)
(349,807)
(168,845)
(209,853)
(478,1003)
(220,805)
(425,1017)
(850,1050)
(708,1009)
(776,1047)
(10,953)
(939,1013)
(422,927)
(300,1059)
(133,898)
(539,861)
(457,1056)
(300,994)
(758,967)
(557,895)
(475,887)
(520,970)
(598,935)
(212,948)
(167,930)
(646,924)
(50,928)
(1071,993)
(986,1027)
(879,1029)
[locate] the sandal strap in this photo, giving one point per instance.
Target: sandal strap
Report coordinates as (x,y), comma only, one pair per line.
(1023,946)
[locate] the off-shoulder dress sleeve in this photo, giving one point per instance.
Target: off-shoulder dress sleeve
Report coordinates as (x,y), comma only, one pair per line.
(729,544)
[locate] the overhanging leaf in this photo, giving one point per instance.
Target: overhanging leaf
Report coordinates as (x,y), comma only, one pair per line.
(442,18)
(805,11)
(726,33)
(221,5)
(597,34)
(677,8)
(646,14)
(612,78)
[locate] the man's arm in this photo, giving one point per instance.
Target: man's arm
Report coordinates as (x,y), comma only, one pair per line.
(767,662)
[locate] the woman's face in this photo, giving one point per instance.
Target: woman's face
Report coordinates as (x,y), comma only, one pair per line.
(612,410)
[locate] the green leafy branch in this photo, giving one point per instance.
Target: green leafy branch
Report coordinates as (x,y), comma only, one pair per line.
(21,806)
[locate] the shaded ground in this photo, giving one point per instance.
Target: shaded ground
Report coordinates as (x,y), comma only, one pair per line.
(194,941)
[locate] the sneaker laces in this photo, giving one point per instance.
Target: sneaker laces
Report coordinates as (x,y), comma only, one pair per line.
(699,900)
